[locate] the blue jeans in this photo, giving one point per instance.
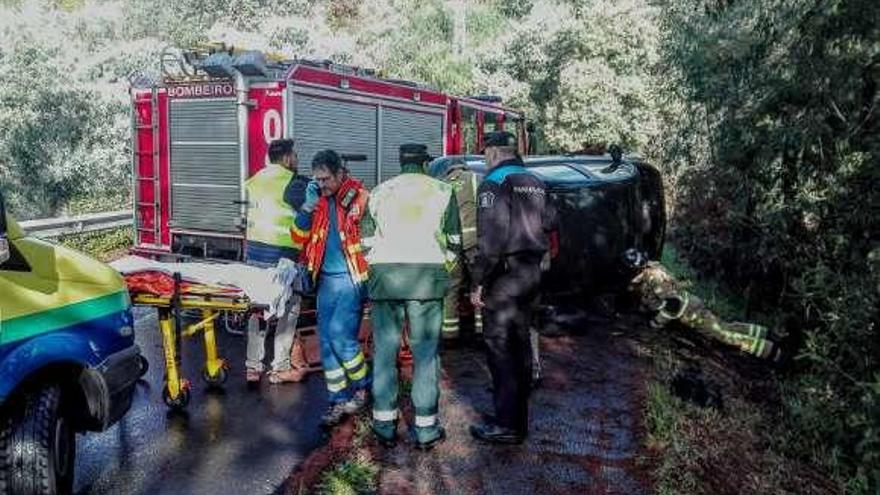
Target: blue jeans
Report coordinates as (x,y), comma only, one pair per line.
(340,308)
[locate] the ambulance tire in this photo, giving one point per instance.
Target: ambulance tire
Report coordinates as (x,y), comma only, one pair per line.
(37,446)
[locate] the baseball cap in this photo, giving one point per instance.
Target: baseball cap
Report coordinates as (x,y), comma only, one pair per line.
(413,154)
(500,139)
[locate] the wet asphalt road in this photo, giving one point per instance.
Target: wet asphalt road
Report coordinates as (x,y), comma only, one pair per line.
(237,440)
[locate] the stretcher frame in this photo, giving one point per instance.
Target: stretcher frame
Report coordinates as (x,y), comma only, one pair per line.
(176,389)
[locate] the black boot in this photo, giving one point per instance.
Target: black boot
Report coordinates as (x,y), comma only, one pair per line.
(495,434)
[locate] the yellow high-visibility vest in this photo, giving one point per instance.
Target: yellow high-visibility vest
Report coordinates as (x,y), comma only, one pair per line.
(269,218)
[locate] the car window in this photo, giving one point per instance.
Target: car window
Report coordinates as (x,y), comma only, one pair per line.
(559,174)
(608,172)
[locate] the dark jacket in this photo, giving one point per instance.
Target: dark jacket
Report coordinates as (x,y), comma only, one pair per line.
(513,217)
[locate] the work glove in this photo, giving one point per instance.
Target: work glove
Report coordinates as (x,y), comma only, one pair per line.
(313,193)
(477,298)
(545,262)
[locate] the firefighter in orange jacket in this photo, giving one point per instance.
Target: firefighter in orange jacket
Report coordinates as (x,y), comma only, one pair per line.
(327,230)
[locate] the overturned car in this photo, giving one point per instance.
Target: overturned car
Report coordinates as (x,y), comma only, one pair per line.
(605,206)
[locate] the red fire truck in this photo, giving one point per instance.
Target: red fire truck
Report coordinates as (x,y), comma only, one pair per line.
(200,133)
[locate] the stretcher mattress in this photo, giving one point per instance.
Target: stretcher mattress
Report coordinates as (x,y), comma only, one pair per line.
(269,287)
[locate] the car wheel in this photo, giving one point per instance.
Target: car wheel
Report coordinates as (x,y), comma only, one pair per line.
(37,446)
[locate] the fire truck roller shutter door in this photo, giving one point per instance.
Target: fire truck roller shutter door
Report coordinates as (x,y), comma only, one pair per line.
(205,180)
(320,123)
(402,126)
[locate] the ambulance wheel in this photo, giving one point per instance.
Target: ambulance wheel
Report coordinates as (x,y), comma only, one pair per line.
(180,402)
(218,379)
(37,446)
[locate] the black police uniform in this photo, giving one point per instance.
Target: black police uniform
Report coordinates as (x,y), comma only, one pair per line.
(513,220)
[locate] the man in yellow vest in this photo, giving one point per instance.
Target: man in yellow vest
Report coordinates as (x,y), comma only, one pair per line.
(412,230)
(274,194)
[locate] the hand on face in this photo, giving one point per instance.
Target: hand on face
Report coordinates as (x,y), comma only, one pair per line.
(312,191)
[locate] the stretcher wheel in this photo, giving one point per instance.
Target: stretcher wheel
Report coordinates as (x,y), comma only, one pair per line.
(180,402)
(218,379)
(145,365)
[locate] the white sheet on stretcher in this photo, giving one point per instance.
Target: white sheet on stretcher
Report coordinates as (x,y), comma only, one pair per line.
(271,287)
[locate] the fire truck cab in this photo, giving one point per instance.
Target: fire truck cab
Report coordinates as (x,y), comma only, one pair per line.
(199,135)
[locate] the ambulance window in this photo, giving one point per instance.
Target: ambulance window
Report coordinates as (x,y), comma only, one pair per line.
(16,262)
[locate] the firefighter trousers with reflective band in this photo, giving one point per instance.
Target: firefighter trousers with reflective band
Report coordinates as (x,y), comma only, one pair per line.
(510,297)
(424,318)
(340,308)
(459,286)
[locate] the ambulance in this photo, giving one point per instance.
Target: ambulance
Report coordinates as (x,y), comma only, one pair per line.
(68,361)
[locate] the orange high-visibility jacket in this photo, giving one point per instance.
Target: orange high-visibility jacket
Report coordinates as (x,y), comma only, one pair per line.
(309,231)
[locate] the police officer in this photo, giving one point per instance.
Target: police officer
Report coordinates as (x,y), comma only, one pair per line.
(411,228)
(465,183)
(513,223)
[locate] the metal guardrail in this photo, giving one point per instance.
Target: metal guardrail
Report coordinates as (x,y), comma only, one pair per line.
(54,227)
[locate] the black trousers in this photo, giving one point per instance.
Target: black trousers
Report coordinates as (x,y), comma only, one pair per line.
(510,296)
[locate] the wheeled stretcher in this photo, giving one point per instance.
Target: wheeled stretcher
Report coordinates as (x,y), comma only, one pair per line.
(210,302)
(206,291)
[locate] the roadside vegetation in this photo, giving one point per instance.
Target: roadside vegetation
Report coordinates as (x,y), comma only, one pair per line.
(763,116)
(357,473)
(715,420)
(105,245)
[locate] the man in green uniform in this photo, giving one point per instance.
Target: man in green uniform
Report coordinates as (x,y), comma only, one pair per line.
(411,229)
(465,183)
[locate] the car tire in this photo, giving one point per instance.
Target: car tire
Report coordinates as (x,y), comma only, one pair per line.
(37,446)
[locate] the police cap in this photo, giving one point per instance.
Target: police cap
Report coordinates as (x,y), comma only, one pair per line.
(413,154)
(501,139)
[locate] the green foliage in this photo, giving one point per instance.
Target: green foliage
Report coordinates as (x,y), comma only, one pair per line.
(54,144)
(101,245)
(355,476)
(586,71)
(774,149)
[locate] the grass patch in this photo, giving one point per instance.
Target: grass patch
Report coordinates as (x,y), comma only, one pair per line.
(355,476)
(707,451)
(665,417)
(736,449)
(103,245)
(362,430)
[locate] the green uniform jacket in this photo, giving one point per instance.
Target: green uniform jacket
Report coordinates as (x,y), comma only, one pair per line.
(465,184)
(411,229)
